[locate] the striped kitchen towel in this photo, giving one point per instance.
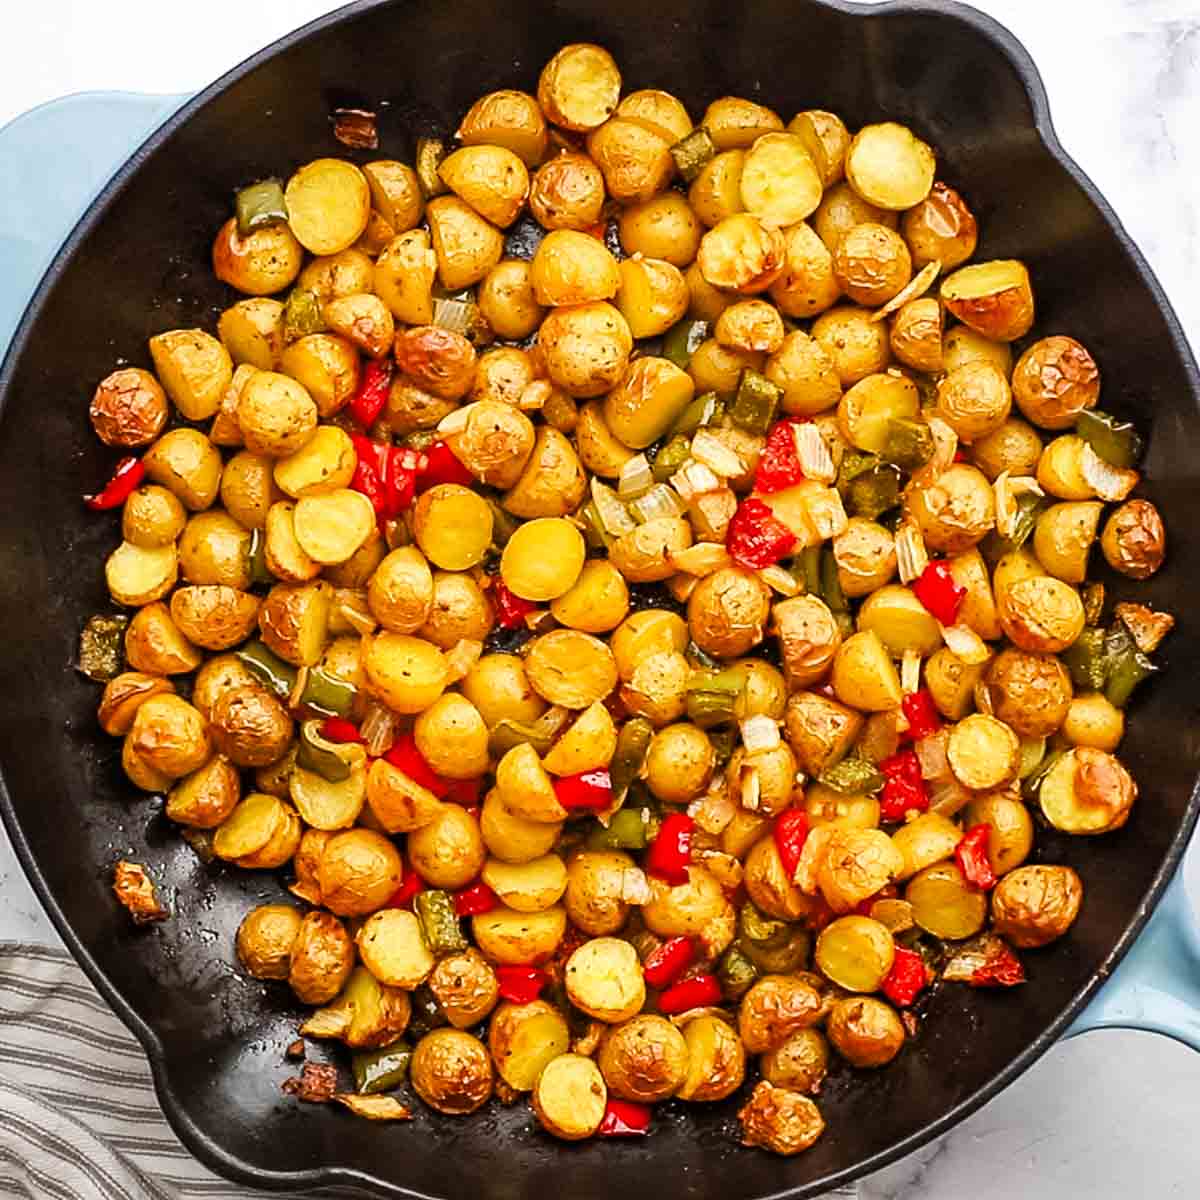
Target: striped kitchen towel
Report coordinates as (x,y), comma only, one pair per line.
(78,1116)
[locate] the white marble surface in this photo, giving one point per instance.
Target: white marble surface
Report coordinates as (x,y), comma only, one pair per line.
(1106,1115)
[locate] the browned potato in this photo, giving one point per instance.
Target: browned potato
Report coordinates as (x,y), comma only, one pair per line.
(1030,692)
(685,909)
(807,285)
(679,763)
(596,885)
(250,726)
(129,408)
(664,228)
(857,863)
(506,118)
(1054,381)
(634,158)
(1087,791)
(644,1060)
(841,210)
(567,192)
(603,977)
(916,336)
(1041,614)
(293,621)
(579,87)
(452,1072)
(820,730)
(569,1097)
(742,254)
(265,939)
(780,183)
(155,644)
(215,616)
(955,511)
(1134,540)
(328,203)
(466,988)
(865,1031)
(573,268)
(359,872)
(186,463)
(1010,839)
(262,263)
(774,1008)
(1033,906)
(404,275)
(460,609)
(449,851)
(716,1060)
(644,555)
(872,264)
(993,298)
(203,799)
(652,297)
(727,613)
(768,885)
(524,1038)
(467,246)
(396,193)
(505,298)
(856,345)
(400,592)
(490,178)
(805,371)
(941,228)
(587,348)
(170,736)
(733,122)
(974,400)
(779,1120)
(798,1062)
(124,695)
(510,938)
(322,958)
(889,166)
(570,668)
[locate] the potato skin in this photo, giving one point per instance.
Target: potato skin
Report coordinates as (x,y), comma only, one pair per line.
(1033,906)
(779,1120)
(466,987)
(1134,541)
(593,896)
(865,1031)
(643,1060)
(359,872)
(265,939)
(727,612)
(129,408)
(774,1008)
(250,726)
(322,958)
(1054,381)
(452,1072)
(799,1062)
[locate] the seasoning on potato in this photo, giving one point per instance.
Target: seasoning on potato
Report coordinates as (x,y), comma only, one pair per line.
(633,607)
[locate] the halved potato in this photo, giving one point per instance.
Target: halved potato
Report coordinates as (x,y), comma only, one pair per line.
(138,575)
(589,743)
(514,938)
(329,204)
(393,948)
(523,1038)
(332,527)
(569,1098)
(780,184)
(579,87)
(993,298)
(524,788)
(889,166)
(294,619)
(327,805)
(527,887)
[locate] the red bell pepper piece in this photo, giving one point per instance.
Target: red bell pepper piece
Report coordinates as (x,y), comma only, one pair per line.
(587,790)
(670,853)
(338,729)
(463,791)
(1002,969)
(778,466)
(370,472)
(404,466)
(906,979)
(971,854)
(665,964)
(511,610)
(790,833)
(904,789)
(921,714)
(405,756)
(442,466)
(624,1118)
(521,985)
(756,537)
(697,992)
(939,593)
(128,475)
(367,403)
(478,898)
(411,884)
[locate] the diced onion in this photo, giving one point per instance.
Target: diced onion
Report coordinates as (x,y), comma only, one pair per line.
(965,644)
(916,287)
(361,622)
(825,512)
(713,811)
(695,479)
(614,516)
(454,315)
(456,421)
(1008,490)
(911,555)
(945,445)
(1107,481)
(713,453)
(910,671)
(461,657)
(982,695)
(635,478)
(759,733)
(947,797)
(635,887)
(931,754)
(534,395)
(659,501)
(780,579)
(749,787)
(701,559)
(378,729)
(812,452)
(682,585)
(728,870)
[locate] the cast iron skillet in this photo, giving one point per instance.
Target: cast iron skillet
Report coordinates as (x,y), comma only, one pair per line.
(138,264)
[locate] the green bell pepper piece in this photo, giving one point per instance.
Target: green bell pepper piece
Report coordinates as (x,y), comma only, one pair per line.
(279,676)
(381,1070)
(1117,442)
(328,694)
(681,340)
(670,458)
(259,205)
(736,973)
(853,777)
(693,153)
(756,402)
(314,753)
(632,743)
(435,909)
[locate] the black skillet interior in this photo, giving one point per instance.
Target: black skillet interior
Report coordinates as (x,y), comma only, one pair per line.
(140,265)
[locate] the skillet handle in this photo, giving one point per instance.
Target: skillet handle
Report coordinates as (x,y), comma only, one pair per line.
(1156,987)
(62,152)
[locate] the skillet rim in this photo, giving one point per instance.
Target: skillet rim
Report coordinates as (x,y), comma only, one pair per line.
(176,1111)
